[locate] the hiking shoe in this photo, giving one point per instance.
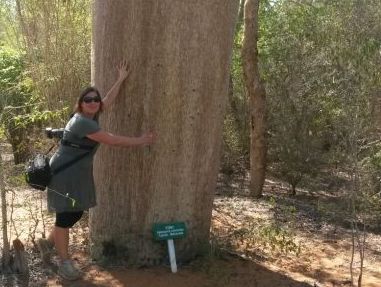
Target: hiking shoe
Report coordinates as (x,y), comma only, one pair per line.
(68,271)
(46,249)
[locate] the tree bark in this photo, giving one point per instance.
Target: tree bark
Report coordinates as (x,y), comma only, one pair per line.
(180,53)
(18,138)
(20,262)
(257,95)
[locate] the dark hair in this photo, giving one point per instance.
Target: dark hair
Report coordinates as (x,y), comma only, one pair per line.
(78,108)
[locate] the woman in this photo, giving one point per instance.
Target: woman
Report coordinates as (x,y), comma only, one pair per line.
(71,191)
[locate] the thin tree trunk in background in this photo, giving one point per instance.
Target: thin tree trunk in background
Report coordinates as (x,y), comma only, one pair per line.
(353,247)
(5,259)
(376,111)
(19,140)
(257,96)
(362,243)
(180,53)
(233,106)
(241,11)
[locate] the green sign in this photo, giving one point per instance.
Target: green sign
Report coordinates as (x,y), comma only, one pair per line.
(165,231)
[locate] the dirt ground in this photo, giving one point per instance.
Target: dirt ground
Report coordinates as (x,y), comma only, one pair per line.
(322,256)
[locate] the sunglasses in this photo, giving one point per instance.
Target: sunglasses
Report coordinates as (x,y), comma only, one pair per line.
(88,100)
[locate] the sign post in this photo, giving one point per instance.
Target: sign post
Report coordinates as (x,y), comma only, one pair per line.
(169,231)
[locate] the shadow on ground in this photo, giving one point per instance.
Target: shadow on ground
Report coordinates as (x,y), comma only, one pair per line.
(229,272)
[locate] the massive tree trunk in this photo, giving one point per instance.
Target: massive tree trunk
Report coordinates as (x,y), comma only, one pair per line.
(180,53)
(257,95)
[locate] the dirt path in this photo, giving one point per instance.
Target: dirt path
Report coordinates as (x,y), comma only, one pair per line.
(238,256)
(325,248)
(228,272)
(323,260)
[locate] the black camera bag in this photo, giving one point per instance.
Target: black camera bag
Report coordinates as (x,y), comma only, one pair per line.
(38,172)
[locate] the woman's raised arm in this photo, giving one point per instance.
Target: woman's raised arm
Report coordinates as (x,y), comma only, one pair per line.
(123,71)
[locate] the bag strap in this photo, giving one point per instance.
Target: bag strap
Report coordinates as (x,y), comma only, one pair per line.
(50,149)
(71,144)
(73,161)
(75,145)
(70,163)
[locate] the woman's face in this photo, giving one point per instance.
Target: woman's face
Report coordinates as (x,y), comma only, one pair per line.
(91,103)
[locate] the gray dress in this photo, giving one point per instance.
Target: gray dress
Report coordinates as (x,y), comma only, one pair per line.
(73,188)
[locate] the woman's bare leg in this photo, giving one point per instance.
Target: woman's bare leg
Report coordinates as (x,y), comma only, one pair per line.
(60,237)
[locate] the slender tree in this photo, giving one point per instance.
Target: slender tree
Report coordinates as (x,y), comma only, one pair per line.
(5,257)
(257,96)
(180,54)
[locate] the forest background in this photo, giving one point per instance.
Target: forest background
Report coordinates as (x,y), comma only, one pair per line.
(319,62)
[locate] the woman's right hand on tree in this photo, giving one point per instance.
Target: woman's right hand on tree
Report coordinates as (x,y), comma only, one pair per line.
(148,138)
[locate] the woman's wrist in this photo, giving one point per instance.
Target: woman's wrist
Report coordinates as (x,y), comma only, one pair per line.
(119,81)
